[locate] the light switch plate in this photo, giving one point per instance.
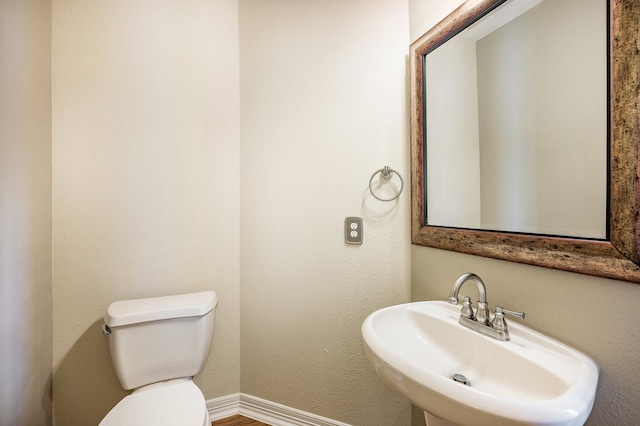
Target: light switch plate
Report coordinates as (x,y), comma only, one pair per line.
(353,230)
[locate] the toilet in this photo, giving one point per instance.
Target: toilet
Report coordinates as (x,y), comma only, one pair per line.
(157,345)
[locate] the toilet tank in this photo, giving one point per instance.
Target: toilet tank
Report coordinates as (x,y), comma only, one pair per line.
(160,338)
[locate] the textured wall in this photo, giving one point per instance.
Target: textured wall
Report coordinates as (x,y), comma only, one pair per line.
(145,180)
(25,213)
(323,96)
(594,315)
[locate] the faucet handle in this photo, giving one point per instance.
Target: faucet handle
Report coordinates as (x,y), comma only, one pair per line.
(467,308)
(501,310)
(498,321)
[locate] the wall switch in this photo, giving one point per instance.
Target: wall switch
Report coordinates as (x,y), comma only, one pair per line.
(353,230)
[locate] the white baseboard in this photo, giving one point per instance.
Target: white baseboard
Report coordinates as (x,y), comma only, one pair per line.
(265,411)
(225,406)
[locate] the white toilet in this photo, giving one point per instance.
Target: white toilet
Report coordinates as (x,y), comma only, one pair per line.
(157,346)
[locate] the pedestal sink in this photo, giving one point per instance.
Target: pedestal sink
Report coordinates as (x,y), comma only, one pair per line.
(530,380)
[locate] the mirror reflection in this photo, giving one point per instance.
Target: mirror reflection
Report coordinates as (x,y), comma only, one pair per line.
(516,121)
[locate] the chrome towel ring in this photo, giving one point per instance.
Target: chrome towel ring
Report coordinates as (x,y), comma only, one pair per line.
(386,173)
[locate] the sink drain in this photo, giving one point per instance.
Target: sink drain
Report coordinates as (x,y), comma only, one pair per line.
(460,379)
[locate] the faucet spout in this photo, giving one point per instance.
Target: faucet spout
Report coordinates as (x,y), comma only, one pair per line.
(455,289)
(482,315)
(480,320)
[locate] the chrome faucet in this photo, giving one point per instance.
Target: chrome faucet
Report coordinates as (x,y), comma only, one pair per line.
(482,314)
(480,320)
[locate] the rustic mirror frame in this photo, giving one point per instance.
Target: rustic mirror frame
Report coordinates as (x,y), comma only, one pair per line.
(618,256)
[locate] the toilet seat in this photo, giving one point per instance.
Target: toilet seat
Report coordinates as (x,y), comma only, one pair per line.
(177,402)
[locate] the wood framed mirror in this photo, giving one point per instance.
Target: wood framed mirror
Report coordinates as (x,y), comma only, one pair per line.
(618,254)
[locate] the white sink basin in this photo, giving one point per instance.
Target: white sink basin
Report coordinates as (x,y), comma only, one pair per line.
(529,380)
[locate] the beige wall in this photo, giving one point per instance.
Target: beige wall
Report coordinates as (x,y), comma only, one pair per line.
(596,316)
(145,180)
(529,73)
(25,213)
(323,95)
(146,190)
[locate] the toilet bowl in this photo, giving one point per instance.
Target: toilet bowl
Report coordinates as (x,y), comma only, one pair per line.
(172,403)
(157,345)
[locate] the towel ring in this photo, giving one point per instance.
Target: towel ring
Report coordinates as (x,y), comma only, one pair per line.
(386,173)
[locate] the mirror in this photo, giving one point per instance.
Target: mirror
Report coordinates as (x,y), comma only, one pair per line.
(608,249)
(516,121)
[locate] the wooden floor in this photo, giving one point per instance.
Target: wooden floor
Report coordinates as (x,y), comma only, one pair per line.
(237,421)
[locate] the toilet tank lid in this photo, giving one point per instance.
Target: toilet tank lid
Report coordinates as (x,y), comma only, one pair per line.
(135,311)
